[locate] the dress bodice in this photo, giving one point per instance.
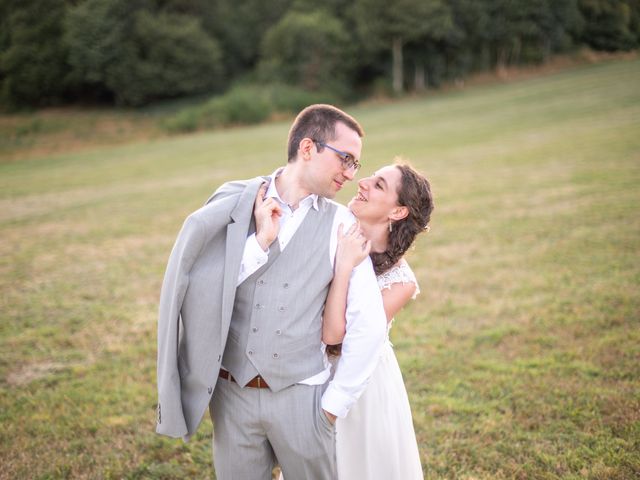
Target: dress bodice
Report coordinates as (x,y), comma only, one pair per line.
(400,273)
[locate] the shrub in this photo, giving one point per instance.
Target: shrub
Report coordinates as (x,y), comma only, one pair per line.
(241,105)
(245,105)
(184,121)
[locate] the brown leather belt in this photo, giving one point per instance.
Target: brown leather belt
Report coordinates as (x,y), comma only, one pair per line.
(255,382)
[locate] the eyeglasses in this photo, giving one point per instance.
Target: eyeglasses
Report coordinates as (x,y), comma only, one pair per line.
(348,161)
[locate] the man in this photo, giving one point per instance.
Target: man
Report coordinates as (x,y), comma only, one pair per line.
(241,312)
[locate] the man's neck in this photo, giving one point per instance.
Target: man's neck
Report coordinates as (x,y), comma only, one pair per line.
(289,186)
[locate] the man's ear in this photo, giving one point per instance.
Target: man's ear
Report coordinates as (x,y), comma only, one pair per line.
(398,213)
(305,148)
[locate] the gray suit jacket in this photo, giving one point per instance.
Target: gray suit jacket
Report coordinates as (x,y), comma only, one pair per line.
(196,303)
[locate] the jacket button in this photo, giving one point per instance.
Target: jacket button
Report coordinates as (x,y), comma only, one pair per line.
(275,355)
(260,282)
(209,390)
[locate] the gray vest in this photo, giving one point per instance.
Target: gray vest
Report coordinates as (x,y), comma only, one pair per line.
(276,325)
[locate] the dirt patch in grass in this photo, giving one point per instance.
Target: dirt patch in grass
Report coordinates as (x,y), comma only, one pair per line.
(28,373)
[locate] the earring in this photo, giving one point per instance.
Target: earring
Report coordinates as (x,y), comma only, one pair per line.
(390,227)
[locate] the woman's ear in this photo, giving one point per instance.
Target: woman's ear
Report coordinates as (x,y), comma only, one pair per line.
(398,213)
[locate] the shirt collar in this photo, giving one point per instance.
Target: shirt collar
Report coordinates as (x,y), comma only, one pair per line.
(272,191)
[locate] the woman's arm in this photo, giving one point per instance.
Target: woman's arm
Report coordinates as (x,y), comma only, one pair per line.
(396,297)
(352,249)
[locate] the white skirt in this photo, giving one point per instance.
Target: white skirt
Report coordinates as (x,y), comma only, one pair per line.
(376,440)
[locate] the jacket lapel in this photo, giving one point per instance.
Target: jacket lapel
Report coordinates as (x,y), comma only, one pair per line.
(236,239)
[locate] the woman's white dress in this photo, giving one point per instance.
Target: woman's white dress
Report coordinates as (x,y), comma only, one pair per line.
(376,440)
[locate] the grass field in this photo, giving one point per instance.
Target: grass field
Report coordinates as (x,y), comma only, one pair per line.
(521,355)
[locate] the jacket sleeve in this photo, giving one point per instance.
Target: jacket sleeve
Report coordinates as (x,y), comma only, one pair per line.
(170,417)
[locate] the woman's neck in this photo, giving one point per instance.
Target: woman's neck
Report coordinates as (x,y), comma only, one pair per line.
(378,234)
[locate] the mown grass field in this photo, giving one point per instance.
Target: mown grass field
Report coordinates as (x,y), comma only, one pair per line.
(521,355)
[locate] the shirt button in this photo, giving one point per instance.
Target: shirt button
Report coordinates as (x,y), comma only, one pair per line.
(278,332)
(254,329)
(260,282)
(259,306)
(275,355)
(250,352)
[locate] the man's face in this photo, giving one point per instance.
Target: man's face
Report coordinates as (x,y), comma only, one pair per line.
(326,173)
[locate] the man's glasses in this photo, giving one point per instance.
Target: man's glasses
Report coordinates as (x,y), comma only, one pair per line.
(348,161)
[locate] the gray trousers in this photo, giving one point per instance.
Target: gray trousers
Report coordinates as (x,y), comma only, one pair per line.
(254,429)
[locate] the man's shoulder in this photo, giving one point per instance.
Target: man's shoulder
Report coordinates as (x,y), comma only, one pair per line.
(342,213)
(233,187)
(223,201)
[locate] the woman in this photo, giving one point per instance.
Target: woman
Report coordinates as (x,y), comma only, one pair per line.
(376,440)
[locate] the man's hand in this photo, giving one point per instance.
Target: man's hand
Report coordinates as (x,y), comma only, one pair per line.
(267,214)
(330,416)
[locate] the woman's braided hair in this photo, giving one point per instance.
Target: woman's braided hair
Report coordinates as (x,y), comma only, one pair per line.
(414,192)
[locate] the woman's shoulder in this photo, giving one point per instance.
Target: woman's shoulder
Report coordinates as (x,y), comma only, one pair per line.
(400,273)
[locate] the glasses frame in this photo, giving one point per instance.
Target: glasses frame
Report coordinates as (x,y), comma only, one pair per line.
(349,162)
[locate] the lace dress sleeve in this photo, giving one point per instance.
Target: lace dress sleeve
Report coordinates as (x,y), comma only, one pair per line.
(399,273)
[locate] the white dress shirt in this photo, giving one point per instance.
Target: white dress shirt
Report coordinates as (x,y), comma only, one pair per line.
(366,320)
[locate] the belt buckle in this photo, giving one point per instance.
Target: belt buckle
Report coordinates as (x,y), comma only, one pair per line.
(258,378)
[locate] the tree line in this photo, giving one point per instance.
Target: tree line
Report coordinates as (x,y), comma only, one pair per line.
(132,52)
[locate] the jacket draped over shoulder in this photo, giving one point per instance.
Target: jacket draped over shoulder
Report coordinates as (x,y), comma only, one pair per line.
(196,302)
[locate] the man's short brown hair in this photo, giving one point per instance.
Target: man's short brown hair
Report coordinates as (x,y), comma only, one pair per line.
(318,122)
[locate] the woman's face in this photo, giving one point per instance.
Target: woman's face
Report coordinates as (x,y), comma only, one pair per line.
(377,195)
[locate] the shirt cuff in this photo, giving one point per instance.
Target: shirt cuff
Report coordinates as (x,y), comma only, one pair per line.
(336,402)
(253,258)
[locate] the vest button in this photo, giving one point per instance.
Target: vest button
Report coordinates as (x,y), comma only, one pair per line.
(250,352)
(260,282)
(275,355)
(259,306)
(278,332)
(281,308)
(254,329)
(286,285)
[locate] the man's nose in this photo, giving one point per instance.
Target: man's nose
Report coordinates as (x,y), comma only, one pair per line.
(349,173)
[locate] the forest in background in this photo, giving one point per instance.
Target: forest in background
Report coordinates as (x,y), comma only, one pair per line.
(136,52)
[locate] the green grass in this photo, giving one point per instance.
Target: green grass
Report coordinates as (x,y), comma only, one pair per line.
(521,355)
